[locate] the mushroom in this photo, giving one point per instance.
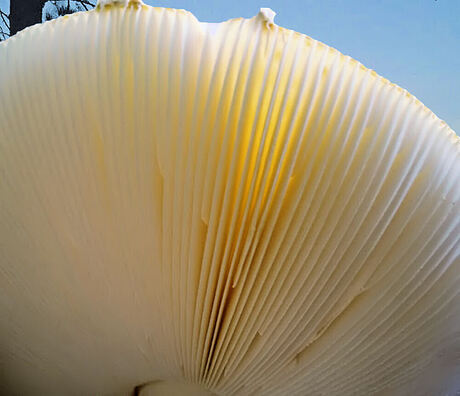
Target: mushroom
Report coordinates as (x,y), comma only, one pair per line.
(229,209)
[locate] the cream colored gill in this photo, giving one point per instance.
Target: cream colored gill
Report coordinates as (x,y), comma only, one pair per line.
(231,206)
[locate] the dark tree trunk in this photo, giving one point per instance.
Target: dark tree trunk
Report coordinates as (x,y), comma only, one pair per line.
(24,13)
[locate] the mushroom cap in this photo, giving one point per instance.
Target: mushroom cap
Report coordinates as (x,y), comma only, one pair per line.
(235,206)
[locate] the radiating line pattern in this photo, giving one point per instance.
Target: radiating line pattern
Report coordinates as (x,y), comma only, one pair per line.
(234,205)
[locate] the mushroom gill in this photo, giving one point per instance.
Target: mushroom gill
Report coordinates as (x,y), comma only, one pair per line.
(231,208)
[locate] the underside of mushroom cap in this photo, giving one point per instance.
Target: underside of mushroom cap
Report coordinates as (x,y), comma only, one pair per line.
(235,206)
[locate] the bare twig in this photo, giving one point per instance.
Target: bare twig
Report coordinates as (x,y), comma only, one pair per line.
(5,17)
(89,3)
(86,4)
(3,35)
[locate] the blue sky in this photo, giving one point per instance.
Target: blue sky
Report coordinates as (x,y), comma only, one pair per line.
(413,43)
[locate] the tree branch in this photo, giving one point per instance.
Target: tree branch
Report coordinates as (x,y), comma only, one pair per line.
(86,3)
(5,17)
(3,35)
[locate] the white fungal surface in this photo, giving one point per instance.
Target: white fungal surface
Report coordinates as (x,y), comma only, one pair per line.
(268,16)
(239,208)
